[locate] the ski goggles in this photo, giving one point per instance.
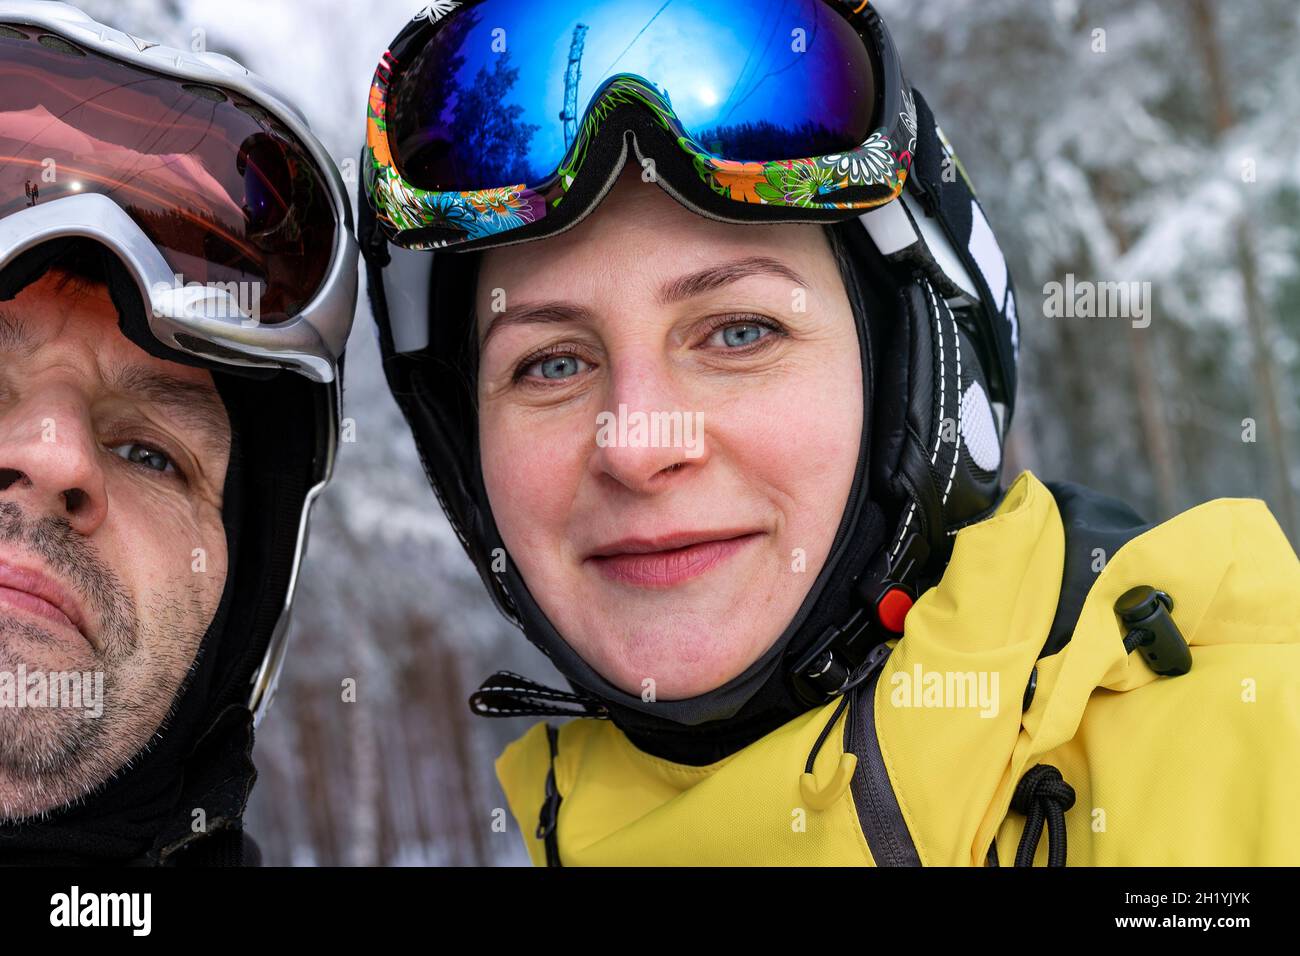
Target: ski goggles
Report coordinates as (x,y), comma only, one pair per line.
(226,209)
(482,114)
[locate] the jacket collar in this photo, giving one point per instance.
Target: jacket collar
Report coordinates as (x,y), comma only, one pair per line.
(952,768)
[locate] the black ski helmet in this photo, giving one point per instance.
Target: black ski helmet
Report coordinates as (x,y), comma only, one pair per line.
(936,314)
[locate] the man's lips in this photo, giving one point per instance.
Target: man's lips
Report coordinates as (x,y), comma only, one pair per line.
(669,560)
(31,591)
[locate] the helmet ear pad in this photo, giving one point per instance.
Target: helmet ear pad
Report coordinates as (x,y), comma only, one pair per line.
(936,453)
(936,449)
(436,387)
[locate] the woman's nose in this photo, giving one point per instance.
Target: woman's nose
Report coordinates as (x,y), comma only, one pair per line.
(647,433)
(50,463)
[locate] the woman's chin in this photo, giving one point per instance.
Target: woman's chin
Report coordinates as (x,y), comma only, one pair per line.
(668,667)
(673,687)
(678,644)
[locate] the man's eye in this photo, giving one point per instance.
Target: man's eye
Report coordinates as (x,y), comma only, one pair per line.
(146,456)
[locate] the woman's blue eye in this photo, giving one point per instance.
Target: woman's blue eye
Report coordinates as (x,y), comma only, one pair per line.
(741,334)
(139,454)
(558,366)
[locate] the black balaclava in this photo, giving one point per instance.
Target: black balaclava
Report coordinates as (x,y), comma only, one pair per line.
(201,755)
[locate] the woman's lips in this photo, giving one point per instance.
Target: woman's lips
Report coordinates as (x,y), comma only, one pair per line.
(664,569)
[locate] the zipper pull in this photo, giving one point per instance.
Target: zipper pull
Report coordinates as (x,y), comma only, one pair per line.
(822,798)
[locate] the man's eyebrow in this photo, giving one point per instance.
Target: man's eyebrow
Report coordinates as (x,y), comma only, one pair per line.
(14,334)
(194,404)
(674,290)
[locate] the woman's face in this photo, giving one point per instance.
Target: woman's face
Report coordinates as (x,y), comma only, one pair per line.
(669,550)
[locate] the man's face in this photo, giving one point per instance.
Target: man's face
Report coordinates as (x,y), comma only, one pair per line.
(112,547)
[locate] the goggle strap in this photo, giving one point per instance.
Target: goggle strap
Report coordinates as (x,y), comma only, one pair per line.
(939,183)
(906,235)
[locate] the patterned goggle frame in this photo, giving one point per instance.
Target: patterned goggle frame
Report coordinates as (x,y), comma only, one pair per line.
(410,163)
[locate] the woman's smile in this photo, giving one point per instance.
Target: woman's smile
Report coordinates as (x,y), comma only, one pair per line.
(650,565)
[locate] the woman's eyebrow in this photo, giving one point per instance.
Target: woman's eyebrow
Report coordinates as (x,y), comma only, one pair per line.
(674,290)
(715,277)
(541,312)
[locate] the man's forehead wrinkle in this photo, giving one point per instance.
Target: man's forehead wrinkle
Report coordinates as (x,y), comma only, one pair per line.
(20,335)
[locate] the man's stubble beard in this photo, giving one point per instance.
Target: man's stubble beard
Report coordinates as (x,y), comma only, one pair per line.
(54,756)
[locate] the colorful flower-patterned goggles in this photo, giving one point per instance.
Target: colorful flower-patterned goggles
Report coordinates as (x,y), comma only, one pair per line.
(482,114)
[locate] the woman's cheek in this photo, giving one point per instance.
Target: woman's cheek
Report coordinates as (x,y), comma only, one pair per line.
(526,469)
(823,409)
(797,428)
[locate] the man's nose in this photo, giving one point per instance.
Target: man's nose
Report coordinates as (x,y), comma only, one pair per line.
(50,462)
(648,433)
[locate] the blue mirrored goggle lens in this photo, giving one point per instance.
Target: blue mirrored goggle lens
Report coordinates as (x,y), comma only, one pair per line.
(498,93)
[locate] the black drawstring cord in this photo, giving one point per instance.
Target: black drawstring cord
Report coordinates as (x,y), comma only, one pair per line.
(550,815)
(865,670)
(507,694)
(1042,796)
(826,732)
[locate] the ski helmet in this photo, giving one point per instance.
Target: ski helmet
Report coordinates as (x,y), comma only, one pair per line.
(931,292)
(222,229)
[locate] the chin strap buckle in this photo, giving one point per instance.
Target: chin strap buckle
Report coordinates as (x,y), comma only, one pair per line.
(826,668)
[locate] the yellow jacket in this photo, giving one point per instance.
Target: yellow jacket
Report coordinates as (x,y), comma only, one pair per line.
(1199,769)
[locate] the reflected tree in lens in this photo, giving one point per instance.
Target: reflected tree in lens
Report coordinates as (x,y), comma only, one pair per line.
(764,141)
(455,129)
(417,112)
(490,129)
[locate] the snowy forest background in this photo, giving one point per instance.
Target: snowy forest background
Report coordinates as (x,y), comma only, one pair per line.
(1116,140)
